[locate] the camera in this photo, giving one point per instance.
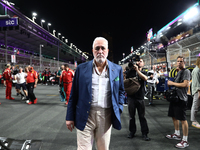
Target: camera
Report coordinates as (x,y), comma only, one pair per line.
(133,60)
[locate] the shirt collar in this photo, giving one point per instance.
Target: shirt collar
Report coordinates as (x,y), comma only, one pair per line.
(94,64)
(104,69)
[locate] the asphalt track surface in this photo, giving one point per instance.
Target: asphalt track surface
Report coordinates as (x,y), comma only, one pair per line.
(46,121)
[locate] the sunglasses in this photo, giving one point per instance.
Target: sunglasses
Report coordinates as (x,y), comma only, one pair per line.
(100,47)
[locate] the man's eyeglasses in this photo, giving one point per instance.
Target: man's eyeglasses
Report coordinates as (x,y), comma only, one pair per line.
(100,47)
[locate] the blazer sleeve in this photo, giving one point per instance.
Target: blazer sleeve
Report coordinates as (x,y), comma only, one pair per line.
(121,90)
(71,108)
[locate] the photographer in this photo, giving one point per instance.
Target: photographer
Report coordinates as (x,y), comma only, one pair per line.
(177,110)
(136,101)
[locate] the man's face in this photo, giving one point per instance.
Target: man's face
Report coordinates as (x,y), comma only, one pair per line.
(180,63)
(66,68)
(62,67)
(140,63)
(154,68)
(100,51)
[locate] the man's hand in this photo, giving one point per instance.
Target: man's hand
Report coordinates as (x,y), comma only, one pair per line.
(70,125)
(35,85)
(136,67)
(170,83)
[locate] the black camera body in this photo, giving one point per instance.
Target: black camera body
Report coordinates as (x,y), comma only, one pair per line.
(133,61)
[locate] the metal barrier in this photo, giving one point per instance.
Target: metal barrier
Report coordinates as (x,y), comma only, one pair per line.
(23,60)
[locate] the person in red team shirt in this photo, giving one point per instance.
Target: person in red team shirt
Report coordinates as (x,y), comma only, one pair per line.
(8,81)
(31,79)
(67,77)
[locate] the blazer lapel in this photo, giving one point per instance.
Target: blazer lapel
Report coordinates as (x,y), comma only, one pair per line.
(112,74)
(88,76)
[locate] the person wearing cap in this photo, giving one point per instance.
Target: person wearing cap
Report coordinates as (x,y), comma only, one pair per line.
(31,80)
(8,81)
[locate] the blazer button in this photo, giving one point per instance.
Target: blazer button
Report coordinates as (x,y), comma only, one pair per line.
(89,102)
(87,112)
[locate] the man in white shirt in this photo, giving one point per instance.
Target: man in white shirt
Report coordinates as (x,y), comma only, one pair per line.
(21,82)
(96,99)
(152,81)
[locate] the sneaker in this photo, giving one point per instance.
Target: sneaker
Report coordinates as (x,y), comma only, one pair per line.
(173,136)
(30,103)
(11,98)
(24,98)
(196,125)
(182,144)
(27,101)
(35,101)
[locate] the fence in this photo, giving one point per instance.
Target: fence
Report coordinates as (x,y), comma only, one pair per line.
(23,60)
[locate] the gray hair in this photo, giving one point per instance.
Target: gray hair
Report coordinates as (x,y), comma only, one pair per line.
(100,38)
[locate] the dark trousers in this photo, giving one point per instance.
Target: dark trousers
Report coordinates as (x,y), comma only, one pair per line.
(30,88)
(134,104)
(45,79)
(151,88)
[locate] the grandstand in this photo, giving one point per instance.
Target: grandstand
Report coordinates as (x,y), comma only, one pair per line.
(179,37)
(26,40)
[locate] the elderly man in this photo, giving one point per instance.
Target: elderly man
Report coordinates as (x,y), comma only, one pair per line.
(96,99)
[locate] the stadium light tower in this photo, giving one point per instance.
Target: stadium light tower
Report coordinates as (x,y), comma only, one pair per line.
(48,25)
(34,16)
(41,56)
(42,21)
(54,32)
(59,34)
(63,38)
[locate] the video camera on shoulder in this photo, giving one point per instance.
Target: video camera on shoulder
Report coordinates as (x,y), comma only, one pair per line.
(133,61)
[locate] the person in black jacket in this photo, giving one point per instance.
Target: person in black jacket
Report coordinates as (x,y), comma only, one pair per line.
(136,101)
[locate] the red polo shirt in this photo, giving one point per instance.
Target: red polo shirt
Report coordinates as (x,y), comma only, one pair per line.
(31,76)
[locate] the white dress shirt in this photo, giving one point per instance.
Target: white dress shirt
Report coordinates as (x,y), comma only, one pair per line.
(101,91)
(21,77)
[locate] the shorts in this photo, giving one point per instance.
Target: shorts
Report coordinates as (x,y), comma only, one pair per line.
(23,85)
(178,110)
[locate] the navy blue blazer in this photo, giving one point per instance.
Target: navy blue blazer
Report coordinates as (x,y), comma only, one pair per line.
(81,94)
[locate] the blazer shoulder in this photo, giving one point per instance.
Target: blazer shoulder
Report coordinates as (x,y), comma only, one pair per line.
(83,65)
(116,65)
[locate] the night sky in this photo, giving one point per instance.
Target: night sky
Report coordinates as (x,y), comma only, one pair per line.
(126,22)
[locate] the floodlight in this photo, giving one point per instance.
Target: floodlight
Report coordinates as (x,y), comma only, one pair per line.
(34,14)
(193,12)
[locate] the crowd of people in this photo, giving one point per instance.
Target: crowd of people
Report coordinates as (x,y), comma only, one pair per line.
(95,95)
(98,86)
(27,80)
